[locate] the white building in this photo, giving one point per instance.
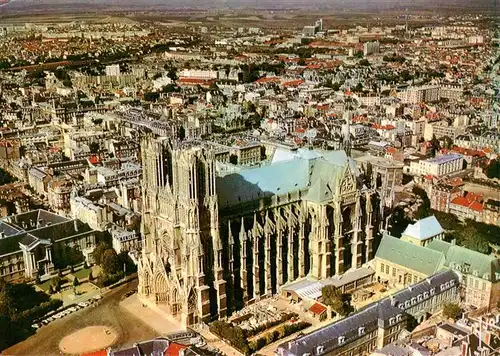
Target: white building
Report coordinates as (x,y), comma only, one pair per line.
(198,74)
(125,240)
(438,166)
(415,95)
(371,48)
(113,70)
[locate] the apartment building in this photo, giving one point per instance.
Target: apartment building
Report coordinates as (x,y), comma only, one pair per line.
(438,166)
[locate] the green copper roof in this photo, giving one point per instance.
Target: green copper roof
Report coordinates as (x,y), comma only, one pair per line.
(463,259)
(315,176)
(413,257)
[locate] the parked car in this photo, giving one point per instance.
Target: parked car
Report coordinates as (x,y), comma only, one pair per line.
(35,326)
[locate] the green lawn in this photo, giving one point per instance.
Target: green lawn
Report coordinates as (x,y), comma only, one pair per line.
(45,285)
(82,273)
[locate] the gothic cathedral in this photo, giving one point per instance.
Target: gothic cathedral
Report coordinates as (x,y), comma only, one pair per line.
(214,241)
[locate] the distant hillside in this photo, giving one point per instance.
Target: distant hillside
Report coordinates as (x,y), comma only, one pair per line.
(89,5)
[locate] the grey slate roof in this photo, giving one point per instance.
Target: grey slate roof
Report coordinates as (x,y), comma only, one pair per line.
(59,228)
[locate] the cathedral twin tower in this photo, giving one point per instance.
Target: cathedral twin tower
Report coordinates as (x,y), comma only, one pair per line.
(214,242)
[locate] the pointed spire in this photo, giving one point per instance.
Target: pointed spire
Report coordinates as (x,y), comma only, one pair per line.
(231,238)
(243,235)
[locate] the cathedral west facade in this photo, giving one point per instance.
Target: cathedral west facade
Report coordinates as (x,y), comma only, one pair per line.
(213,242)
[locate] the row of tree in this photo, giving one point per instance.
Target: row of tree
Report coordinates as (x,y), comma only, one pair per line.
(114,266)
(20,306)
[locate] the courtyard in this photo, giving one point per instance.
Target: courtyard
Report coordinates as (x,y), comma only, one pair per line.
(84,291)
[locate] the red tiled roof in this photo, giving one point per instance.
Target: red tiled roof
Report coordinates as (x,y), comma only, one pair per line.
(460,201)
(267,80)
(467,203)
(476,206)
(173,349)
(293,83)
(193,81)
(317,309)
(97,353)
(94,159)
(474,197)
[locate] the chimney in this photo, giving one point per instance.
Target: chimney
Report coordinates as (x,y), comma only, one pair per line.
(75,222)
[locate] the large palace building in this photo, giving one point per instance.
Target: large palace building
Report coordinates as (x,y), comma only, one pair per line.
(216,238)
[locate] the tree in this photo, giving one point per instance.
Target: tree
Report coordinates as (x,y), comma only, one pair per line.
(56,283)
(468,236)
(99,252)
(170,88)
(424,210)
(332,296)
(233,159)
(181,135)
(364,62)
(125,261)
(493,170)
(451,311)
(94,147)
(447,142)
(151,96)
(172,73)
(301,62)
(110,263)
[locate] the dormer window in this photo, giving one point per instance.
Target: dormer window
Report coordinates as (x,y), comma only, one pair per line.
(392,321)
(407,304)
(341,340)
(319,349)
(413,301)
(432,291)
(361,330)
(447,285)
(399,317)
(426,295)
(419,298)
(401,306)
(452,282)
(442,287)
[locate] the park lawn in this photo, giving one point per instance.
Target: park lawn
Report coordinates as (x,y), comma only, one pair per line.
(82,273)
(45,285)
